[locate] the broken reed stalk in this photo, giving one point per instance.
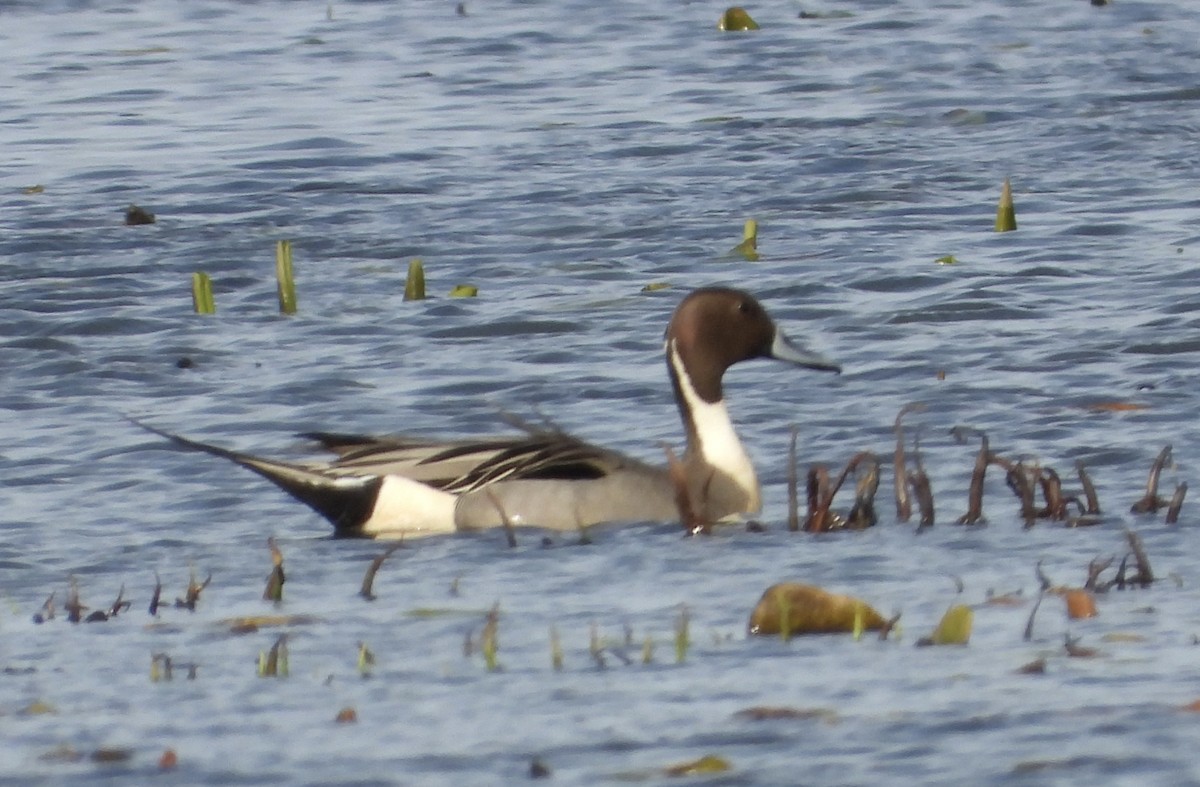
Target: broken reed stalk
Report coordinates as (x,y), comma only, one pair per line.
(818,500)
(156,597)
(923,492)
(284,278)
(1151,502)
(274,589)
(1006,214)
(202,294)
(596,646)
(414,285)
(1176,502)
(974,513)
(509,533)
(793,484)
(368,582)
(1029,624)
(903,503)
(862,513)
(1145,575)
(1018,479)
(821,492)
(1096,567)
(1089,489)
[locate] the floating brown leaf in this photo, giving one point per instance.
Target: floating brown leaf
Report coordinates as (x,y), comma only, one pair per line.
(1080,604)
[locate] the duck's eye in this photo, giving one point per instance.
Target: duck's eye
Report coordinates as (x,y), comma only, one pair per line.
(744,307)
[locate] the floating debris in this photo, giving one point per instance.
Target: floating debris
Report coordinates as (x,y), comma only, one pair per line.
(736,18)
(539,769)
(793,609)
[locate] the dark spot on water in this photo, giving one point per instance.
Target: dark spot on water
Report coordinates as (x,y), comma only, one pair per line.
(539,769)
(185,363)
(135,216)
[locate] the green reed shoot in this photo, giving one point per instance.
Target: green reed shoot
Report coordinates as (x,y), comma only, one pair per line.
(414,286)
(556,651)
(273,663)
(366,660)
(283,274)
(748,248)
(648,650)
(202,294)
(1006,214)
(489,643)
(596,646)
(793,484)
(682,636)
(464,291)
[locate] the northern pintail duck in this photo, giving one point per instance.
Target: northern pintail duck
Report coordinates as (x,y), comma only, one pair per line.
(393,486)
